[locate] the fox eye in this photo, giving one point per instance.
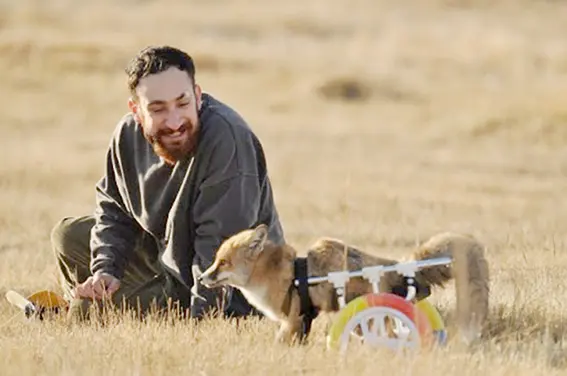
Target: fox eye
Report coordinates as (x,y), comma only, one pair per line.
(223,262)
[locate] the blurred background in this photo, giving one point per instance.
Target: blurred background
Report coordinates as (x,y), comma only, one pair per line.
(383,121)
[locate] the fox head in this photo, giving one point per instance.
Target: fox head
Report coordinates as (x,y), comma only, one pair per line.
(235,258)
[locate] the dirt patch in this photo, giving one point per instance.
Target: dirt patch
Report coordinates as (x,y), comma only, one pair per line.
(351,89)
(345,89)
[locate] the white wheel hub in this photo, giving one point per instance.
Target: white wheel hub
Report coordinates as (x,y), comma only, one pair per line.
(372,324)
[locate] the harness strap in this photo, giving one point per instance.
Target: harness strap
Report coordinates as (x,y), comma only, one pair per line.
(422,291)
(307,310)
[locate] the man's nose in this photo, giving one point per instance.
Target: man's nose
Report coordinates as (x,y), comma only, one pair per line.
(174,120)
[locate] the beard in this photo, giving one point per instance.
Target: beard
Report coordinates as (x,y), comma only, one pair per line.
(180,150)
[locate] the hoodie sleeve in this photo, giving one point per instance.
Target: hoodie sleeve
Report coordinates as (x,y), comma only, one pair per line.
(229,196)
(114,234)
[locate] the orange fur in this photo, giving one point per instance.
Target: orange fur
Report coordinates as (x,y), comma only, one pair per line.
(264,273)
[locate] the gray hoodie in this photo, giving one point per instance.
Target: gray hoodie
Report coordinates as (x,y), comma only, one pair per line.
(188,208)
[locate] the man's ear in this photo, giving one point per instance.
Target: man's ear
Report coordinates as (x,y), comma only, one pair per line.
(133,106)
(198,96)
(259,236)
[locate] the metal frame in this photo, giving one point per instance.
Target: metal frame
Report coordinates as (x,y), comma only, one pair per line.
(374,273)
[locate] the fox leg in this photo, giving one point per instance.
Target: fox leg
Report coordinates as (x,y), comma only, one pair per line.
(283,335)
(290,331)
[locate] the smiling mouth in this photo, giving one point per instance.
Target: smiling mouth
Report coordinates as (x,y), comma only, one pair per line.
(174,136)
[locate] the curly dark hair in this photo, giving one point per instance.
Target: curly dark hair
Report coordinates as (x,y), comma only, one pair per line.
(156,59)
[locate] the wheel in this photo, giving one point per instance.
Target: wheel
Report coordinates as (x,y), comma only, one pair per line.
(410,326)
(413,325)
(435,320)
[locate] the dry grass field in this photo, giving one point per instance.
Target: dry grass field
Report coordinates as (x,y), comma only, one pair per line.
(384,122)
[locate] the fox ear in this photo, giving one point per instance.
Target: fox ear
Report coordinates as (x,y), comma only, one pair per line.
(258,239)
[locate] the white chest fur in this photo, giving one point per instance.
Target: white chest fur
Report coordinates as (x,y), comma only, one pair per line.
(259,299)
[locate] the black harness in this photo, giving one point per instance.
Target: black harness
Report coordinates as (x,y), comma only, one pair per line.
(306,308)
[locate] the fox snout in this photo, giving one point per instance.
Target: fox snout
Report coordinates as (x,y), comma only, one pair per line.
(208,278)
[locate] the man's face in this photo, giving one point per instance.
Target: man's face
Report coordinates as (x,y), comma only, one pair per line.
(167,107)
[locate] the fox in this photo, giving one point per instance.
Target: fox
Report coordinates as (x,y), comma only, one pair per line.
(264,272)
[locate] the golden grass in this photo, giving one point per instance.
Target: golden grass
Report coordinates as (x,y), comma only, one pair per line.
(383,122)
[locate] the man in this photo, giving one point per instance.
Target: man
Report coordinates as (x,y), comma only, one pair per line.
(183,172)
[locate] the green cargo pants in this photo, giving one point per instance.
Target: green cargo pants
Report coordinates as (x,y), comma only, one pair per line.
(145,285)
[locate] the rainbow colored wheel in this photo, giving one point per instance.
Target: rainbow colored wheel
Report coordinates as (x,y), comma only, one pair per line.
(410,326)
(435,320)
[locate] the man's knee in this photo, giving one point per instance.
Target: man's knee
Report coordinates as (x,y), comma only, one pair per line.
(61,234)
(71,235)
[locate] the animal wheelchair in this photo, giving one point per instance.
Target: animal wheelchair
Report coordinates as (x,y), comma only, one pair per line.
(415,325)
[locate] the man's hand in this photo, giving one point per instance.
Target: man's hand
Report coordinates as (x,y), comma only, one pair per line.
(98,286)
